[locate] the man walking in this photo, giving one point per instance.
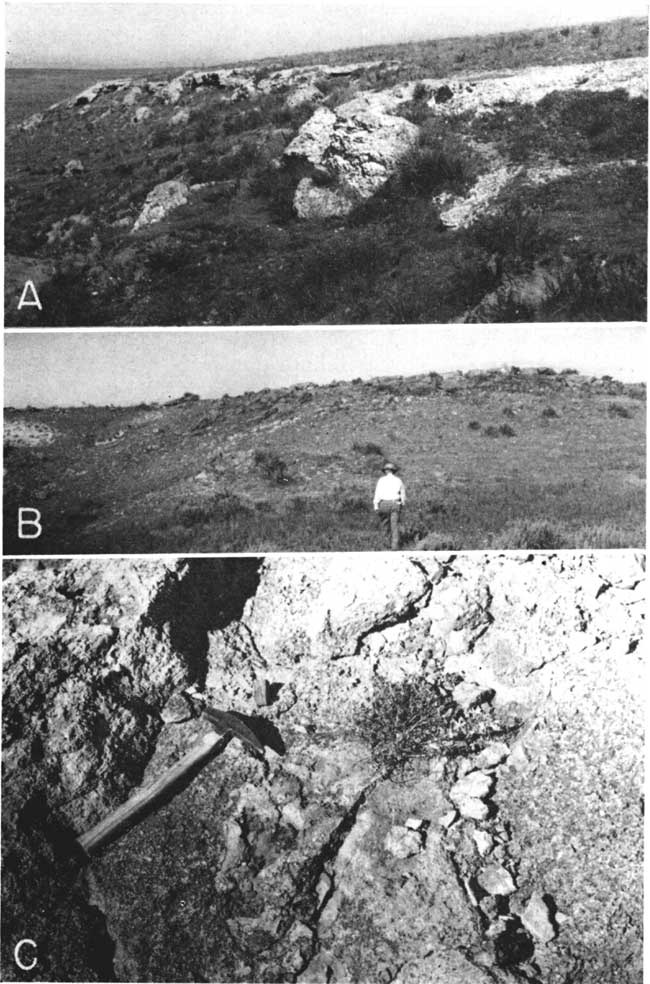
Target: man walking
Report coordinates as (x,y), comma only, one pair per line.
(390,496)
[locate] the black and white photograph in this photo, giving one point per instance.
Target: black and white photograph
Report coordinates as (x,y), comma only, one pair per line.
(332,768)
(267,163)
(324,427)
(412,438)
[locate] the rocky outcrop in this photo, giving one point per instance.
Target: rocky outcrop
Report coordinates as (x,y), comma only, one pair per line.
(160,201)
(359,145)
(92,93)
(320,862)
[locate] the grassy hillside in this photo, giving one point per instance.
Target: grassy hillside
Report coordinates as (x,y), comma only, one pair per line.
(514,459)
(236,253)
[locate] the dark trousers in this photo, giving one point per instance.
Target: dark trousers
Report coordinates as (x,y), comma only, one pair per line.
(389,513)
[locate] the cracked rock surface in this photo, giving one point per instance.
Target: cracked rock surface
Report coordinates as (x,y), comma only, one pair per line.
(315,862)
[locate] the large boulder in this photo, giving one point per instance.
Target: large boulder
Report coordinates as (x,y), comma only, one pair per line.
(352,155)
(162,200)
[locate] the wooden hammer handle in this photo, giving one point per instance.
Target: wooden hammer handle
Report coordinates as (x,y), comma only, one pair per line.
(135,808)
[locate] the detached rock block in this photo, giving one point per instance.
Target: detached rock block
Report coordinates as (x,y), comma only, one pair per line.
(535,917)
(496,880)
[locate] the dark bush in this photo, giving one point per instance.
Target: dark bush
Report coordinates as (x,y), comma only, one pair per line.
(434,165)
(549,412)
(506,430)
(368,448)
(513,231)
(271,466)
(277,186)
(619,410)
(593,289)
(474,425)
(490,431)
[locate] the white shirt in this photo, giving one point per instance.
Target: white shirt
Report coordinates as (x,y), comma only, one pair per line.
(389,487)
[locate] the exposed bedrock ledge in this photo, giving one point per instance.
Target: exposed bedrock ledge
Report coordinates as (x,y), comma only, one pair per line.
(313,865)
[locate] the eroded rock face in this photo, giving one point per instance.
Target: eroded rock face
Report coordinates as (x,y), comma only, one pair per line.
(318,864)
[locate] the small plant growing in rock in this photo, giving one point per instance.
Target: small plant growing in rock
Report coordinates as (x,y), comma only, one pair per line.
(405,722)
(416,719)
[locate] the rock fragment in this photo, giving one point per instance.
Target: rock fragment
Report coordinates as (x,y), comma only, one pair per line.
(468,695)
(536,918)
(496,880)
(493,755)
(72,167)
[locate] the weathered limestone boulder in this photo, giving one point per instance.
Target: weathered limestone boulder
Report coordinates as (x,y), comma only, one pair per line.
(305,93)
(162,200)
(359,152)
(132,96)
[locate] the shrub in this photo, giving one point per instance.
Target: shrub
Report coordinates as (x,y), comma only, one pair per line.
(619,410)
(271,466)
(549,412)
(490,431)
(277,186)
(474,425)
(435,163)
(368,448)
(512,231)
(593,289)
(527,534)
(417,719)
(405,722)
(506,430)
(420,91)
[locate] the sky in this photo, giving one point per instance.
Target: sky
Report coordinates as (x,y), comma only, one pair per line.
(72,368)
(124,34)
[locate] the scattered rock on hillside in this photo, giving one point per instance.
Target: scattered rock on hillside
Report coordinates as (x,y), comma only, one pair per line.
(162,200)
(71,168)
(141,114)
